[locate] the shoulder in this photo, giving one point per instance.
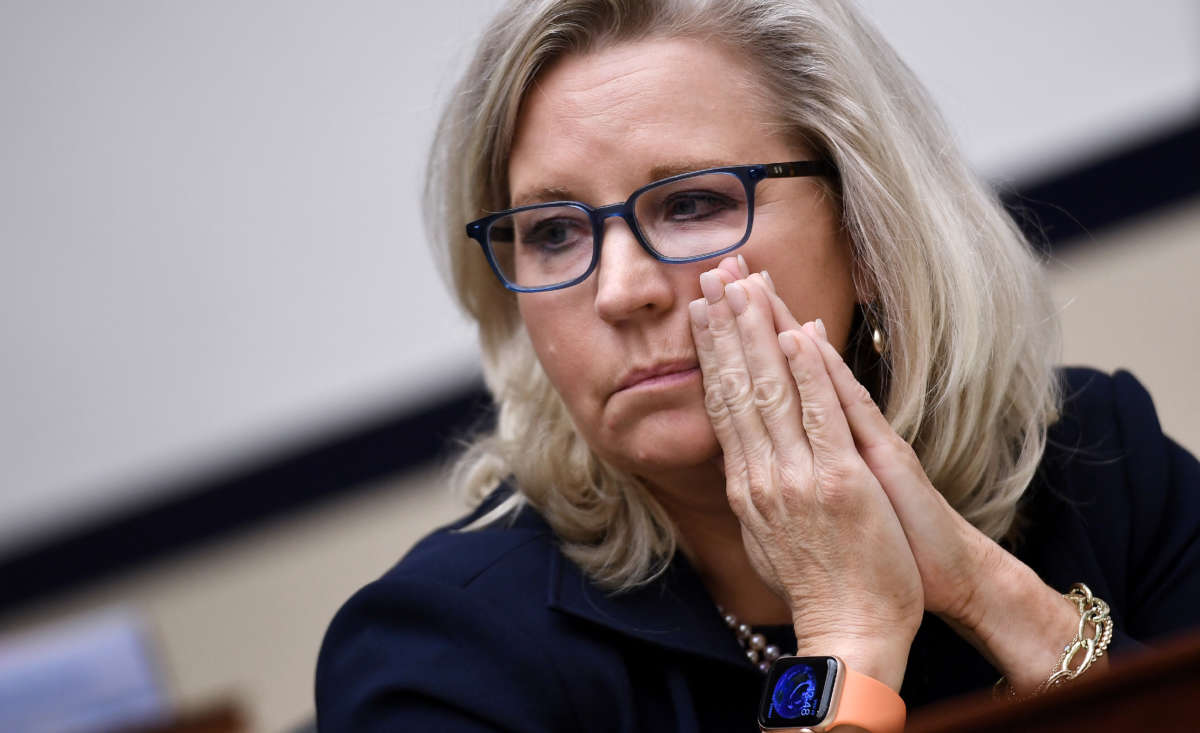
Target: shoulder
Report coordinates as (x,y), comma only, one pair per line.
(1116,504)
(1102,411)
(450,638)
(462,555)
(1108,436)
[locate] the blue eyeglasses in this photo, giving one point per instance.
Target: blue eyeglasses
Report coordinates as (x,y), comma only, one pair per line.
(685,218)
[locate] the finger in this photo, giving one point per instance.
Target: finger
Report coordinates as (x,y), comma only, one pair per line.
(714,403)
(733,267)
(886,454)
(926,516)
(774,390)
(733,373)
(733,461)
(867,423)
(824,422)
(784,320)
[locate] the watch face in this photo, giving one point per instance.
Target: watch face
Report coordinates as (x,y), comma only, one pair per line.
(798,692)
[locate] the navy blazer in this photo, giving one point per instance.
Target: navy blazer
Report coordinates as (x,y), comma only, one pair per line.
(494,629)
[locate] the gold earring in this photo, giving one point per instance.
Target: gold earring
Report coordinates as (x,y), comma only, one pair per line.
(878,340)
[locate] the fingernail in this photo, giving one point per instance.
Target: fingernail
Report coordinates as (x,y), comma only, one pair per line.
(810,329)
(711,286)
(789,344)
(743,266)
(821,330)
(737,298)
(770,283)
(698,309)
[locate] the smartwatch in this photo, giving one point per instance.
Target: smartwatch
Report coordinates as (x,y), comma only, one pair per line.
(814,694)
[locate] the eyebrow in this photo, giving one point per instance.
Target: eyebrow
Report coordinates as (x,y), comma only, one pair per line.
(547,194)
(541,196)
(675,168)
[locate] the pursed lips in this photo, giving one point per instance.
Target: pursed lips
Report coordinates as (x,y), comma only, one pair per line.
(642,375)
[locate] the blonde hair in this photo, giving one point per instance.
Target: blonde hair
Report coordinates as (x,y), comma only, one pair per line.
(968,377)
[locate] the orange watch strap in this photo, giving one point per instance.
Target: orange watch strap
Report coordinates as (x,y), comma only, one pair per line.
(869,704)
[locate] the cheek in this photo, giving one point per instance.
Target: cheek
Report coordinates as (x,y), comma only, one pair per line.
(561,344)
(812,267)
(830,297)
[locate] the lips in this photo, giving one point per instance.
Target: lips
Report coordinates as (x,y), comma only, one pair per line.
(657,371)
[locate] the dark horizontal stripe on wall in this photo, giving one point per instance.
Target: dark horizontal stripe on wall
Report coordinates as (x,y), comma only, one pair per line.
(1063,211)
(1060,209)
(222,505)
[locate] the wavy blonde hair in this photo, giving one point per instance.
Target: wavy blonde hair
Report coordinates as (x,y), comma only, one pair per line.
(968,378)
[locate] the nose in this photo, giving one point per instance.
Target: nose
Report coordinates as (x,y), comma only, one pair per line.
(629,281)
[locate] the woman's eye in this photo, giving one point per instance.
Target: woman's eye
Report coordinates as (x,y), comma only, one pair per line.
(694,205)
(553,234)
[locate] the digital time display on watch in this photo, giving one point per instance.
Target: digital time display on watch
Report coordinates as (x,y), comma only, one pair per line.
(798,692)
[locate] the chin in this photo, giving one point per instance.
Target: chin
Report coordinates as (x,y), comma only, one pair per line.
(664,443)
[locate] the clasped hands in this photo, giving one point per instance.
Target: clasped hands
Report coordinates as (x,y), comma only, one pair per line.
(837,514)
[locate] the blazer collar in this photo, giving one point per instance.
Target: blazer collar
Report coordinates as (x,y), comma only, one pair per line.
(674,611)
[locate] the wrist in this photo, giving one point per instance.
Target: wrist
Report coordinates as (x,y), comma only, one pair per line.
(1083,652)
(997,583)
(881,658)
(1028,659)
(1016,621)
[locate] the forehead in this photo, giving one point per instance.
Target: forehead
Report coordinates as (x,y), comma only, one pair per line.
(615,115)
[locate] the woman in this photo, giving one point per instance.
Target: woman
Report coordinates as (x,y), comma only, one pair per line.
(802,373)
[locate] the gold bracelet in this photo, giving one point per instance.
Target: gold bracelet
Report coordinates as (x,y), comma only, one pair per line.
(1092,638)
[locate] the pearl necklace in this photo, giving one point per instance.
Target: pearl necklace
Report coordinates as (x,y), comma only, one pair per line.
(758,651)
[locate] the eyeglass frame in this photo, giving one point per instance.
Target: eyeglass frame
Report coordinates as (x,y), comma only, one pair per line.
(749,175)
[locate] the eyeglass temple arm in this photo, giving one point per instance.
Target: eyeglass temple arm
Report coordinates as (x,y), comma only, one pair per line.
(801,168)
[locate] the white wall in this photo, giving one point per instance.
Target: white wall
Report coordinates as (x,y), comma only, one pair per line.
(209,235)
(1031,86)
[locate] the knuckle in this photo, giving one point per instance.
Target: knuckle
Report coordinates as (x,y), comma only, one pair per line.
(815,417)
(839,472)
(860,395)
(841,481)
(802,371)
(759,494)
(806,359)
(722,323)
(771,396)
(793,474)
(735,387)
(714,404)
(737,498)
(839,498)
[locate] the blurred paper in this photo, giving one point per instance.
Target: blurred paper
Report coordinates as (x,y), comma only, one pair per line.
(94,674)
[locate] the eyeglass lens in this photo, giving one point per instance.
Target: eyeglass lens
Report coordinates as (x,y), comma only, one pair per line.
(691,217)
